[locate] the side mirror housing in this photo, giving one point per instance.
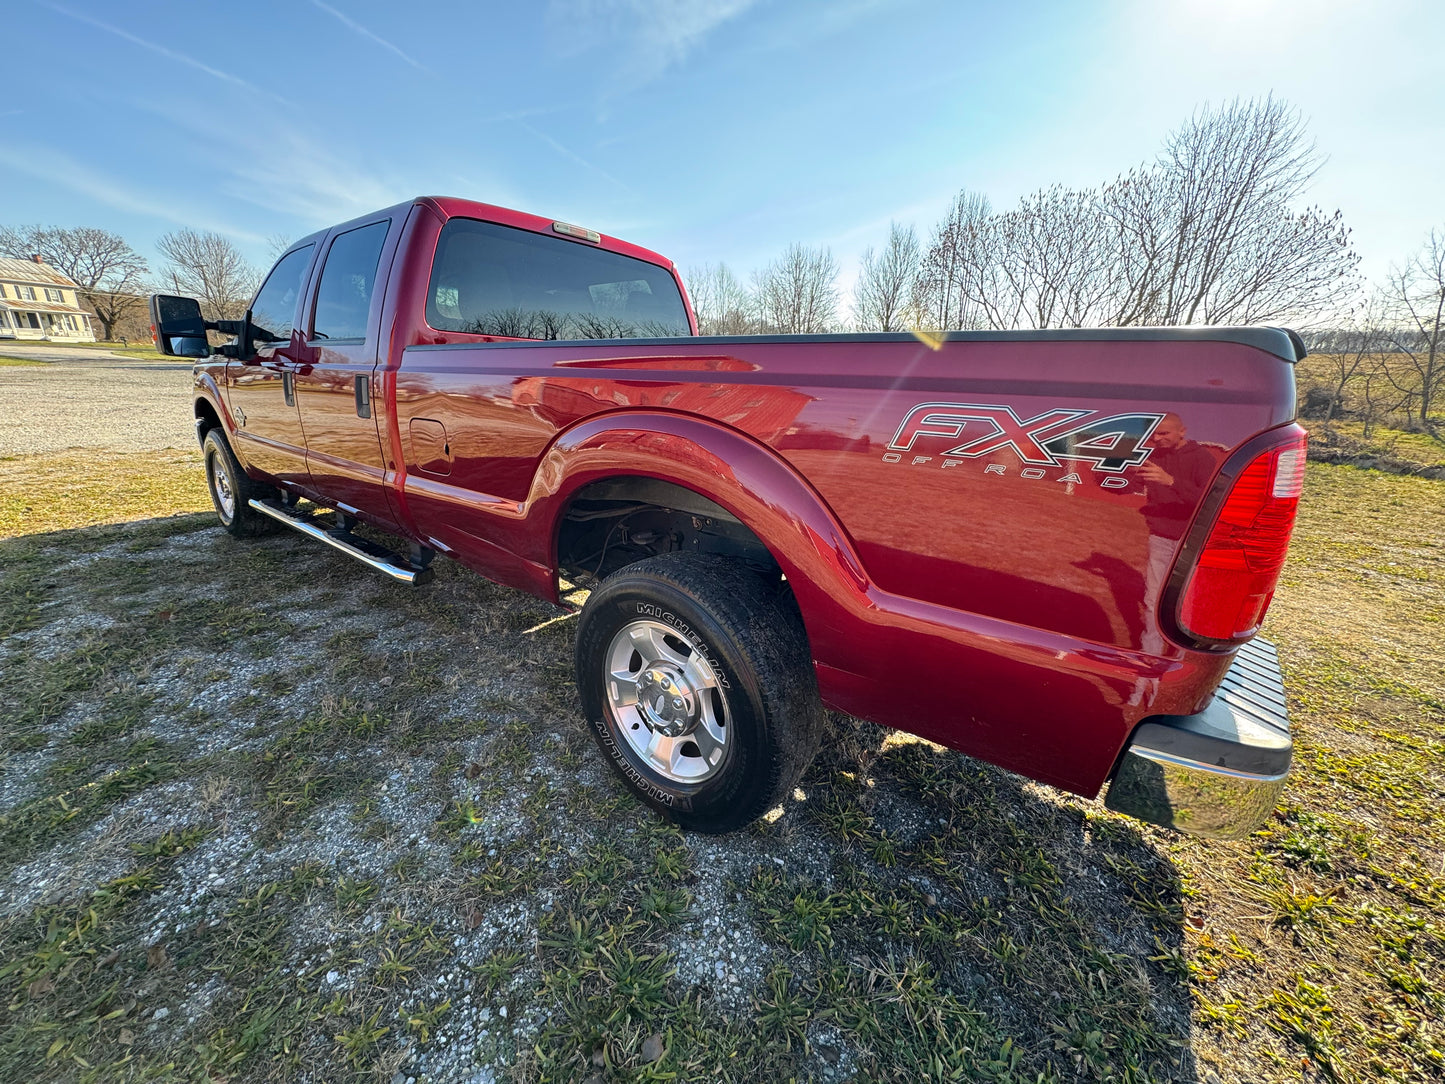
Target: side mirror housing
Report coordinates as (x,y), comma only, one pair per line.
(177,324)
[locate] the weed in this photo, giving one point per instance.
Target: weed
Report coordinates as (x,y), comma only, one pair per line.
(360,1041)
(423,1020)
(170,844)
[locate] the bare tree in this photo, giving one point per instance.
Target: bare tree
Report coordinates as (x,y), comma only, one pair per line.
(1055,263)
(109,273)
(797,294)
(957,253)
(720,302)
(210,268)
(1209,233)
(1415,296)
(883,297)
(1230,246)
(1351,357)
(276,245)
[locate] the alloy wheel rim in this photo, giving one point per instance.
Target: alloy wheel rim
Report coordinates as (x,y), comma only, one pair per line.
(667,701)
(221,487)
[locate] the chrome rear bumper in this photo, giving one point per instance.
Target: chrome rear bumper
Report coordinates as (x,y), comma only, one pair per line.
(1218,773)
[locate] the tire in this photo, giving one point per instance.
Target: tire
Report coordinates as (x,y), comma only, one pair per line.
(697,684)
(231,487)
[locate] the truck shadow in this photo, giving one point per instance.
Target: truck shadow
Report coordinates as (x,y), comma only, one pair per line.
(1060,923)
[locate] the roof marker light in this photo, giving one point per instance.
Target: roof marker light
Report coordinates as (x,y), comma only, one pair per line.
(569,230)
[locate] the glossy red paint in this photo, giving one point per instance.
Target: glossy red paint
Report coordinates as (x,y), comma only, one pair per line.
(991,604)
(990,611)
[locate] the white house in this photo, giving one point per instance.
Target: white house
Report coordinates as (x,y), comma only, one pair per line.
(38,302)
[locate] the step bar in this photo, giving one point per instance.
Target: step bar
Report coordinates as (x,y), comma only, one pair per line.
(382,560)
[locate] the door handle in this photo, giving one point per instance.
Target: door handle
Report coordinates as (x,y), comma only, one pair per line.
(288,388)
(363,395)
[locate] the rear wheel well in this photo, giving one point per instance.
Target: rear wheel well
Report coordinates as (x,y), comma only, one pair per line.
(616,522)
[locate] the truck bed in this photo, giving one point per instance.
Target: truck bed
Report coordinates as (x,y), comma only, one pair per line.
(992,600)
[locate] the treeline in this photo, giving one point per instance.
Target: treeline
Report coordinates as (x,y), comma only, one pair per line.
(113,279)
(1209,232)
(1384,363)
(1212,231)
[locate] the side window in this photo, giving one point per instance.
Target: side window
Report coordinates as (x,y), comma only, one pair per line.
(274,311)
(343,300)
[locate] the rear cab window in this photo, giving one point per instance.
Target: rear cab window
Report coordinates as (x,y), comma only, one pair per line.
(501,281)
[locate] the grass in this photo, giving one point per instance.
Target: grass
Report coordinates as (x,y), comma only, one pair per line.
(1414,449)
(334,828)
(19,361)
(1345,434)
(62,490)
(143,351)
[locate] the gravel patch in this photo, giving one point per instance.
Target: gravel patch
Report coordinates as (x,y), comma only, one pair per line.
(53,407)
(379,809)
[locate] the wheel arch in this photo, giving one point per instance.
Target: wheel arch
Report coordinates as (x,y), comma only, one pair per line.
(207,417)
(760,490)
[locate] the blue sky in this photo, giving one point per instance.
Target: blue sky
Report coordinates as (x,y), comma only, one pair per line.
(709,131)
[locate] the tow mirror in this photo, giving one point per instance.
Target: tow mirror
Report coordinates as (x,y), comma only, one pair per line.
(177,324)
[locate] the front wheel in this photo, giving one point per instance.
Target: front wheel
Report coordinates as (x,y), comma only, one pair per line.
(231,488)
(695,676)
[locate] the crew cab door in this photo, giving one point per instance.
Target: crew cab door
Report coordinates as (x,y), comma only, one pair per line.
(261,388)
(336,390)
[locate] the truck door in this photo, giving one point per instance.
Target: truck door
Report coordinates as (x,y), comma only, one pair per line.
(261,388)
(339,400)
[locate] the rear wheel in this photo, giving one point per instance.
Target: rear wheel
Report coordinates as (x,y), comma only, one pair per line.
(231,488)
(696,680)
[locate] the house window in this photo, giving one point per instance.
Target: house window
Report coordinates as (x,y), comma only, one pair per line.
(54,295)
(27,293)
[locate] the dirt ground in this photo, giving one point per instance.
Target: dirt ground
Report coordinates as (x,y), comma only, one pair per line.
(266,817)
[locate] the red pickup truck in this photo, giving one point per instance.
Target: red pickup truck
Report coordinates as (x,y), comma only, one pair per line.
(1051,550)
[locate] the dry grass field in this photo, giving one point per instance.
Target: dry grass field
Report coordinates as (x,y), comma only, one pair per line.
(265,817)
(1372,395)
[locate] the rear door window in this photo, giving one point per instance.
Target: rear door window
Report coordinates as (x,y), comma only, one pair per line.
(496,280)
(343,300)
(273,313)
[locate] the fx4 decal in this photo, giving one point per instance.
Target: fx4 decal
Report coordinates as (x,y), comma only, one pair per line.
(1110,443)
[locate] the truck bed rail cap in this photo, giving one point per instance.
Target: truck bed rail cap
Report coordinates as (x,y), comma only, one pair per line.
(1281,342)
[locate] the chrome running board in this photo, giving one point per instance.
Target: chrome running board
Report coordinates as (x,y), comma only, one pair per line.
(383,560)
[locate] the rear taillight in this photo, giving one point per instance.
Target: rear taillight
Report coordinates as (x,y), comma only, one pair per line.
(1233,580)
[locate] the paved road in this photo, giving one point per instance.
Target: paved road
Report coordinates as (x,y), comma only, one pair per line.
(96,402)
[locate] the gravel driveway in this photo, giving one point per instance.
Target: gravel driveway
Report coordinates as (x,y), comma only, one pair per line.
(97,402)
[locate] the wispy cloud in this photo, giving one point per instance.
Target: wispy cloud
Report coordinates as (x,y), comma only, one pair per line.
(567,152)
(59,168)
(520,114)
(159,50)
(352,24)
(656,34)
(318,186)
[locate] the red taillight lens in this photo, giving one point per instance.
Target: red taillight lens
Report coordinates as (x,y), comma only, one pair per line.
(1230,587)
